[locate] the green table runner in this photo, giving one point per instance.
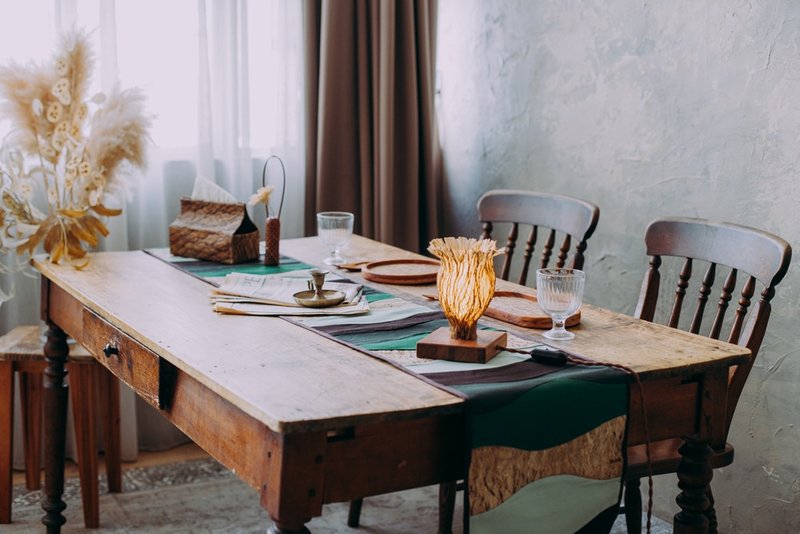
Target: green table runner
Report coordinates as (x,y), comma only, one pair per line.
(546,443)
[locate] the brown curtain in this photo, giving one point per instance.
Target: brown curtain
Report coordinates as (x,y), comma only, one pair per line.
(371,142)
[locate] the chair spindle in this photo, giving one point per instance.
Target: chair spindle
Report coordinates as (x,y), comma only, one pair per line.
(486,230)
(510,245)
(577,260)
(748,291)
(564,252)
(680,292)
(547,251)
(530,244)
(702,299)
(724,299)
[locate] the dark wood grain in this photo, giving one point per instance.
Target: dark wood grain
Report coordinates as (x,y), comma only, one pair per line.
(83,404)
(56,352)
(30,399)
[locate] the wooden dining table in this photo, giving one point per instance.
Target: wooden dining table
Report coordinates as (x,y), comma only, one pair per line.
(307,420)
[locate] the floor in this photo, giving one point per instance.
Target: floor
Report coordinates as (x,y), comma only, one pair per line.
(183,491)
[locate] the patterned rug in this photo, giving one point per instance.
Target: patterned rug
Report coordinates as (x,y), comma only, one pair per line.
(201,496)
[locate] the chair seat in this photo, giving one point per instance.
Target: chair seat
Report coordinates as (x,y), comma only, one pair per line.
(665,458)
(24,343)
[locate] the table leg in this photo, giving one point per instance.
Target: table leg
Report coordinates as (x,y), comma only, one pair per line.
(694,477)
(110,409)
(55,422)
(447,505)
(30,396)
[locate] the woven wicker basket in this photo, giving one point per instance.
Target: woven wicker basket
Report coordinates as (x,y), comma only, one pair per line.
(214,231)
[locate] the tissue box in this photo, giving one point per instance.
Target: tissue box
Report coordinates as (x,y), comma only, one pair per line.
(214,231)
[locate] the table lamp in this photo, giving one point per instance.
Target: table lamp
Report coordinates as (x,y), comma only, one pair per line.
(466,283)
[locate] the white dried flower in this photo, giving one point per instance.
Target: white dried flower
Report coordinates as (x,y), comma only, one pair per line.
(54,110)
(60,90)
(62,66)
(84,168)
(24,189)
(95,195)
(37,107)
(261,196)
(58,141)
(81,113)
(62,128)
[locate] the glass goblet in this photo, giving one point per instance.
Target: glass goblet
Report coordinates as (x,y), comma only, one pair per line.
(560,292)
(335,229)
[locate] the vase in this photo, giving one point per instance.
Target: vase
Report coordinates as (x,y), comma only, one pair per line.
(272,241)
(465,281)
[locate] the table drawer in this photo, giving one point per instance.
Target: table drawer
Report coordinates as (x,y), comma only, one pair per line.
(131,362)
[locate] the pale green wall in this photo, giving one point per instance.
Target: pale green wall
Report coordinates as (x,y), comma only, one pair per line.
(646,108)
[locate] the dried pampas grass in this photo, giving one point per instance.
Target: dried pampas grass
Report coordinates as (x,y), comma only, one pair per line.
(73,149)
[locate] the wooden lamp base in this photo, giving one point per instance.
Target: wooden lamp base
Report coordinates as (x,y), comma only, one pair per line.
(440,346)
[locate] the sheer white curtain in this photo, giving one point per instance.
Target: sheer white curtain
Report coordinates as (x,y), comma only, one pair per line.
(224,83)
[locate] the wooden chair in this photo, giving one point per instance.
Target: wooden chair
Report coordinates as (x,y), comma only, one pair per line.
(572,218)
(21,351)
(551,214)
(753,256)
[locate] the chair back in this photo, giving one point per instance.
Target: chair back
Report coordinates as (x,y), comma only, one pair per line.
(751,255)
(574,218)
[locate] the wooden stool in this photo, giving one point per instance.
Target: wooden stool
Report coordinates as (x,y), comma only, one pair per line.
(21,350)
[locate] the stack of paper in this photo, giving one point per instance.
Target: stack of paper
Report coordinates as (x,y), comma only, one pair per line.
(249,294)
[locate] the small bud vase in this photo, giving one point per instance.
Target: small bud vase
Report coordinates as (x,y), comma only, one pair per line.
(272,240)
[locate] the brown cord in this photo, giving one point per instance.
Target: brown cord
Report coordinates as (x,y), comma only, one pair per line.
(584,361)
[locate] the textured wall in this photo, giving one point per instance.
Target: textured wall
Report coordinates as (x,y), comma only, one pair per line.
(646,108)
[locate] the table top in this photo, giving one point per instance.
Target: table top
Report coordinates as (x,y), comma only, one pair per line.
(294,380)
(602,335)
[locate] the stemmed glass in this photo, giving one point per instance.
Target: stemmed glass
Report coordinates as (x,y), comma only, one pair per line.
(335,229)
(560,292)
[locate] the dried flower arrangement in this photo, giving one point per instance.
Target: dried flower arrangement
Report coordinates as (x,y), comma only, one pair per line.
(66,151)
(261,197)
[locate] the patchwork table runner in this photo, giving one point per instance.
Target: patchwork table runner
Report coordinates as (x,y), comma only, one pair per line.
(546,443)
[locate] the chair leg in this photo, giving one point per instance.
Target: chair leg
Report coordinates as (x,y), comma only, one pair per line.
(711,513)
(447,506)
(6,438)
(354,514)
(83,411)
(109,409)
(633,506)
(30,392)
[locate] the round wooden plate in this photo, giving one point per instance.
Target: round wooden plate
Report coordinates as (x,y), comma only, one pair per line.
(402,271)
(523,310)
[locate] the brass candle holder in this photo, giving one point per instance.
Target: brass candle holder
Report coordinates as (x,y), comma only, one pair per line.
(466,282)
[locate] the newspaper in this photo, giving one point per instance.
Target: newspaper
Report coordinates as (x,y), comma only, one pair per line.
(237,308)
(249,294)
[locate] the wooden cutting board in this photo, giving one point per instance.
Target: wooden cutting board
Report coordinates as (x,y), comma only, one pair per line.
(523,310)
(402,271)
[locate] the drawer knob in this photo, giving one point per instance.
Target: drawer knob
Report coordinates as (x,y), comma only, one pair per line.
(110,350)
